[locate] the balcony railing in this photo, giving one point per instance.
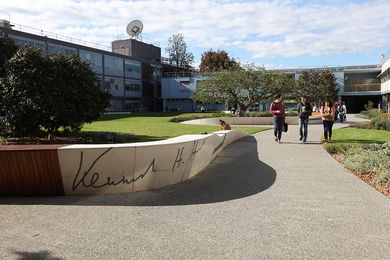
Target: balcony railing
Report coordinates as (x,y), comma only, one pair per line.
(362,88)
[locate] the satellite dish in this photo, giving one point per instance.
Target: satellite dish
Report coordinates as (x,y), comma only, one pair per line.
(134,28)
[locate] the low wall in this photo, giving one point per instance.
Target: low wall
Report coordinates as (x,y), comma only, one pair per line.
(109,168)
(249,121)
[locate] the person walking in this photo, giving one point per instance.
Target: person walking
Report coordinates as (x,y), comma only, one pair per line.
(342,110)
(278,111)
(327,114)
(304,110)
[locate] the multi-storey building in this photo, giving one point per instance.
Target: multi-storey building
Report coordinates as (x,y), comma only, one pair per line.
(130,70)
(357,86)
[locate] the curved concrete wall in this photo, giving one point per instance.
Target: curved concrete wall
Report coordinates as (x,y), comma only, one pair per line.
(249,121)
(121,168)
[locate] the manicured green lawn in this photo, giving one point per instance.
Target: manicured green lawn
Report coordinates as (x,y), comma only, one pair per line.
(345,137)
(154,126)
(360,136)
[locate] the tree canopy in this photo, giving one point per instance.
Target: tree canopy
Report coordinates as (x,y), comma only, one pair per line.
(216,60)
(317,86)
(48,91)
(243,87)
(8,48)
(179,56)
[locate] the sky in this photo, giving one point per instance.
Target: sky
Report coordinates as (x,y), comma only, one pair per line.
(274,34)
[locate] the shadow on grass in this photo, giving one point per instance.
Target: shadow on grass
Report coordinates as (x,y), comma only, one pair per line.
(356,141)
(235,173)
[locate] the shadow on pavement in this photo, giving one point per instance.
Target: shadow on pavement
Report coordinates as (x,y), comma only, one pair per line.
(41,255)
(237,172)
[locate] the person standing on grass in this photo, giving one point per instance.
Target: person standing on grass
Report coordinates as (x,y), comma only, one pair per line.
(278,111)
(304,110)
(327,114)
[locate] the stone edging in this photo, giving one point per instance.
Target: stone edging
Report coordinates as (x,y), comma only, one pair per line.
(249,121)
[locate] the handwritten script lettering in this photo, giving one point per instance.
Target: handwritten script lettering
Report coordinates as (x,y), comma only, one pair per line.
(93,180)
(178,160)
(196,148)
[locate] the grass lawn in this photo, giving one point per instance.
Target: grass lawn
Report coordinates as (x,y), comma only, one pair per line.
(343,137)
(154,126)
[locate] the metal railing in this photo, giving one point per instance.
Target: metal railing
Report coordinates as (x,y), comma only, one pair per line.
(56,36)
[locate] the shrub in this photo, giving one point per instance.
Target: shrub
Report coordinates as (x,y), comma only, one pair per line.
(372,158)
(337,148)
(372,113)
(381,122)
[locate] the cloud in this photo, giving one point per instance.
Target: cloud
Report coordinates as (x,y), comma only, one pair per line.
(282,28)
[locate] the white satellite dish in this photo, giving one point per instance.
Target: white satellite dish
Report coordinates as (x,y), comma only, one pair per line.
(134,28)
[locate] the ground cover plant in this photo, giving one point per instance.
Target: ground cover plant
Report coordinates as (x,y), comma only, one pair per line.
(366,152)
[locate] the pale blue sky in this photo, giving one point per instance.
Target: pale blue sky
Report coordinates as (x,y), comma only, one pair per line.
(277,34)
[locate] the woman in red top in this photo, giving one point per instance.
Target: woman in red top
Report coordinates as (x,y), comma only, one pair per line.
(278,110)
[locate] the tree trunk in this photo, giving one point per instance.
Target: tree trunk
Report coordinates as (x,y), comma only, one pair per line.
(242,111)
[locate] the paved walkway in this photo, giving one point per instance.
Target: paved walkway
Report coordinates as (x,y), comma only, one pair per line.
(257,200)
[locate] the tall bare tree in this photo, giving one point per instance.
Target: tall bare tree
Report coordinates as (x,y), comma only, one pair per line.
(179,56)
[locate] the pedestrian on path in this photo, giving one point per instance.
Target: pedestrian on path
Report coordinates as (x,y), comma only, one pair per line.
(278,111)
(327,114)
(304,110)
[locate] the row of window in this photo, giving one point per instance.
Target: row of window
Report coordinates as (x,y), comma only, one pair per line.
(114,66)
(179,99)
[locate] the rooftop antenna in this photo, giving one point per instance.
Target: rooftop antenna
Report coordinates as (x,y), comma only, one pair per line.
(134,28)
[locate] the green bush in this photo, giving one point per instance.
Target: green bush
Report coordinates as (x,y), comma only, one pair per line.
(337,148)
(381,122)
(258,114)
(179,119)
(268,114)
(372,113)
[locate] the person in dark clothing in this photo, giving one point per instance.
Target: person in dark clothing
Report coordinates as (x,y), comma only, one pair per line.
(304,110)
(278,111)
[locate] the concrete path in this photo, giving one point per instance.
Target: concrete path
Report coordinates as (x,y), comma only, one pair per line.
(257,200)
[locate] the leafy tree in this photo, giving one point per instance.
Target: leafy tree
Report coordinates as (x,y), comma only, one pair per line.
(243,87)
(328,85)
(177,51)
(48,91)
(216,60)
(8,48)
(317,86)
(307,86)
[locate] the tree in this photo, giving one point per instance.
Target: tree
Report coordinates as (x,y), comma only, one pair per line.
(243,87)
(216,60)
(8,48)
(48,91)
(177,51)
(317,86)
(328,85)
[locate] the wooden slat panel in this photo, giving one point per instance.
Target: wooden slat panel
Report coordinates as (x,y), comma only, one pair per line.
(30,172)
